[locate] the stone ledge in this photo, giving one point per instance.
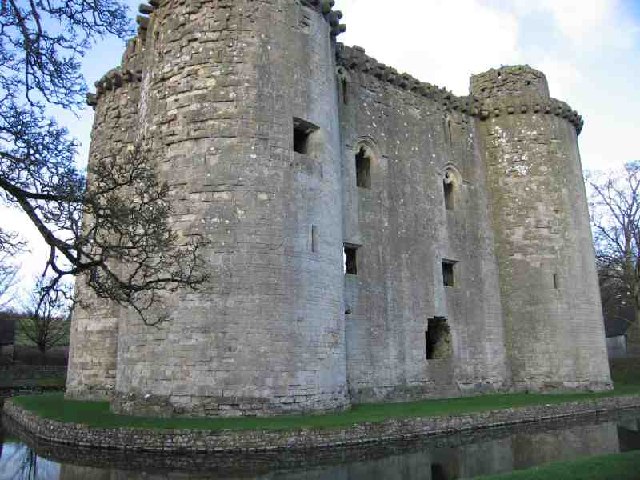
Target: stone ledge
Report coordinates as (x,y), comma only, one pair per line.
(135,439)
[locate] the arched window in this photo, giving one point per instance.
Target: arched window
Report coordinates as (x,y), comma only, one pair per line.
(363,167)
(343,85)
(451,183)
(448,184)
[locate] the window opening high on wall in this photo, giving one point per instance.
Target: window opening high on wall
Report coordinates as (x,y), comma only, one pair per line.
(363,168)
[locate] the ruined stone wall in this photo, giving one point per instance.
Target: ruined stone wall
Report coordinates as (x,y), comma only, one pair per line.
(548,283)
(222,84)
(404,231)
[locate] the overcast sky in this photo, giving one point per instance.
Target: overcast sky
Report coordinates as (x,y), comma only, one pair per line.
(589,50)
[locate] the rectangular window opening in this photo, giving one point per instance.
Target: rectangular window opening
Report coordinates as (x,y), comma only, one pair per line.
(350,260)
(302,131)
(438,339)
(448,273)
(363,169)
(556,281)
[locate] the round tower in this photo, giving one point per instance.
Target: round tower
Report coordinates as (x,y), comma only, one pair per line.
(238,106)
(94,329)
(550,296)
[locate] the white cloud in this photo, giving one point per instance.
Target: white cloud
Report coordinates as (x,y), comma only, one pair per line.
(32,262)
(585,25)
(590,52)
(439,41)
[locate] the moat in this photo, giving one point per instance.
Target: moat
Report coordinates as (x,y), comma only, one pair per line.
(441,458)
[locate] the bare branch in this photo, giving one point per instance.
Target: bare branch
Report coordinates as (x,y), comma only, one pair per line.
(117,233)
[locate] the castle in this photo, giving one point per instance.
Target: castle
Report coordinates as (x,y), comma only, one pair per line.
(369,237)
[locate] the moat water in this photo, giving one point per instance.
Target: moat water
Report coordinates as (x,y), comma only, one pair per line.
(442,458)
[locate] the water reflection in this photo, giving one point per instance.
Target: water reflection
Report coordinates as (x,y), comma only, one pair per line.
(19,462)
(629,434)
(442,458)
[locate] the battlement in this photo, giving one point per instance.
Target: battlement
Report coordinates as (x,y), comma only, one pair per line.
(113,80)
(503,91)
(325,7)
(496,107)
(355,58)
(511,81)
(333,16)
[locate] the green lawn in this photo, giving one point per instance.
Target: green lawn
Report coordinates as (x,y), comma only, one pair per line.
(623,466)
(626,374)
(97,414)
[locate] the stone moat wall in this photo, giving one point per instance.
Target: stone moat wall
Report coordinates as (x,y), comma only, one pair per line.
(253,441)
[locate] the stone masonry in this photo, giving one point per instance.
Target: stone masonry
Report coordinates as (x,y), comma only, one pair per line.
(369,237)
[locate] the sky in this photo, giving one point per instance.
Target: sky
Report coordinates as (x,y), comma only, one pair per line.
(589,50)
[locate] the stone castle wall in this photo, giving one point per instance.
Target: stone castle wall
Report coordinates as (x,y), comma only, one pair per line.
(405,232)
(281,146)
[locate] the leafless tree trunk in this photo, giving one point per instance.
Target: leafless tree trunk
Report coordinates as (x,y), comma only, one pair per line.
(117,234)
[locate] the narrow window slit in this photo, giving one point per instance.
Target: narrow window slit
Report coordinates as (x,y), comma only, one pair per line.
(447,127)
(363,168)
(345,93)
(556,281)
(314,238)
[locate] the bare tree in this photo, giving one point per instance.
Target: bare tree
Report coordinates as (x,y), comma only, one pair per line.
(8,274)
(46,318)
(9,245)
(615,215)
(117,231)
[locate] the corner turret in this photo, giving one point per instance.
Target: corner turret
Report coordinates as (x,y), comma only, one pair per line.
(548,282)
(517,81)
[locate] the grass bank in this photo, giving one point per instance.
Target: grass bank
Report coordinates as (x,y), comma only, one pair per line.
(97,414)
(623,466)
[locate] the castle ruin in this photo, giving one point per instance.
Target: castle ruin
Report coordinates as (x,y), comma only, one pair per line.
(369,237)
